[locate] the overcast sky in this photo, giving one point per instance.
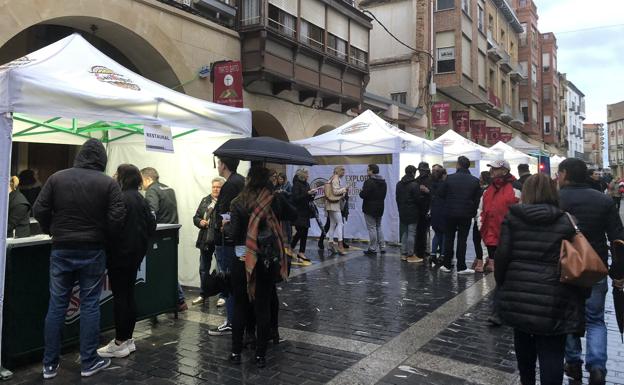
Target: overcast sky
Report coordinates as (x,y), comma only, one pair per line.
(592,57)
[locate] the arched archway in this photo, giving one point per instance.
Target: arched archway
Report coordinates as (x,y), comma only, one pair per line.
(121,44)
(265,124)
(323,130)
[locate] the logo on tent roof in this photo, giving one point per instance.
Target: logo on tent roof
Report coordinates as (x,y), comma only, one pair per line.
(355,127)
(109,76)
(22,61)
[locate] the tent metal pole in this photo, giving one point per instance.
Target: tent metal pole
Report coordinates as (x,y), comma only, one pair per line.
(6,127)
(36,126)
(48,125)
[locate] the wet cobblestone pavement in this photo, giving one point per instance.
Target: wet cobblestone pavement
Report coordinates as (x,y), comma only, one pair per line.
(346,320)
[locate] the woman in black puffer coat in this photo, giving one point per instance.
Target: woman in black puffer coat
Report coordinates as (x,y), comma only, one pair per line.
(301,197)
(531,299)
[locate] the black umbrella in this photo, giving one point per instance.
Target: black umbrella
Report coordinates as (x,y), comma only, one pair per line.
(265,149)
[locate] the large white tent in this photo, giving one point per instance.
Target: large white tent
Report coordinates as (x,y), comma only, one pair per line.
(368,135)
(69,91)
(515,157)
(456,145)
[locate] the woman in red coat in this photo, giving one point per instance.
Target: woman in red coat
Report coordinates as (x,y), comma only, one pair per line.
(497,199)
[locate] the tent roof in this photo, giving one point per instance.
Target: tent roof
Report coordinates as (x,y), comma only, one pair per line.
(522,145)
(368,134)
(72,79)
(511,154)
(456,145)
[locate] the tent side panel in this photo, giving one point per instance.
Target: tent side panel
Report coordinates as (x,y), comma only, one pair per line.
(6,126)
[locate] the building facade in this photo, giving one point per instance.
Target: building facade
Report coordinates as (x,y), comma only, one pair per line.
(593,144)
(615,141)
(574,108)
(300,78)
(550,116)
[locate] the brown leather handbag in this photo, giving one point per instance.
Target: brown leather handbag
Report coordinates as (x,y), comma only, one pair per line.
(580,264)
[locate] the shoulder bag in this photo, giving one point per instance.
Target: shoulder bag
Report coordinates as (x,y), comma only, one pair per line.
(329,192)
(579,263)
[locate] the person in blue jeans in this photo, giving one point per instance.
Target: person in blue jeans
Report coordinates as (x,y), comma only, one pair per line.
(597,216)
(82,209)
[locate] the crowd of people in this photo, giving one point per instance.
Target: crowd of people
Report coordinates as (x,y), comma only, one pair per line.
(98,223)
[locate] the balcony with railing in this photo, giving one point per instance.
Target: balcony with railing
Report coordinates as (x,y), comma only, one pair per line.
(294,46)
(494,51)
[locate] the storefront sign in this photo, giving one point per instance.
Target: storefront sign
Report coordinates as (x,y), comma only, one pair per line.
(461,121)
(158,138)
(505,137)
(493,134)
(227,77)
(440,113)
(477,130)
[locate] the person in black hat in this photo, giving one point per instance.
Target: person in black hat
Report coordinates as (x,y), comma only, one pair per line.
(524,174)
(424,181)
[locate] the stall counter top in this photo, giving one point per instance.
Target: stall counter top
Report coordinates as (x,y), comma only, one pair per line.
(43,239)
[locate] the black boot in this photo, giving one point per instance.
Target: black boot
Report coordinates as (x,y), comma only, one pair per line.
(574,371)
(597,376)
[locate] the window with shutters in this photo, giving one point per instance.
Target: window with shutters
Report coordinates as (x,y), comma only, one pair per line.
(358,57)
(336,46)
(444,4)
(466,57)
(399,97)
(251,12)
(546,62)
(445,52)
(311,35)
(524,107)
(547,125)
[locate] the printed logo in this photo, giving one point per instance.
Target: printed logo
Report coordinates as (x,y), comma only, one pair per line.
(109,76)
(356,127)
(19,62)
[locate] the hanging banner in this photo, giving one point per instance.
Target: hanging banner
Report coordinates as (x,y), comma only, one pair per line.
(493,134)
(477,130)
(505,137)
(355,175)
(227,77)
(461,121)
(440,113)
(158,138)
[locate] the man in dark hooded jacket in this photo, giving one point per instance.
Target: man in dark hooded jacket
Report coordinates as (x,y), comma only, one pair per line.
(373,195)
(424,205)
(407,196)
(81,208)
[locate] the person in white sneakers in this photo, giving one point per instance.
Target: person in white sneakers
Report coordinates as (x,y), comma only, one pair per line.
(125,256)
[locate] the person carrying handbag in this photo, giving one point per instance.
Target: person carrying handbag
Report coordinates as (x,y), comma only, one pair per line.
(206,237)
(531,297)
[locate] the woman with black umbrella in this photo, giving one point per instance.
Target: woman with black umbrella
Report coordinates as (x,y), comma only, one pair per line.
(255,217)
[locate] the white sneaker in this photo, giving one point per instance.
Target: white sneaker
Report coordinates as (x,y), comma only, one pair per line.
(220,302)
(465,272)
(445,269)
(114,350)
(131,345)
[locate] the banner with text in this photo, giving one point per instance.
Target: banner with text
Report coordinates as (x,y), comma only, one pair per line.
(227,77)
(158,138)
(440,113)
(461,121)
(356,174)
(477,130)
(493,134)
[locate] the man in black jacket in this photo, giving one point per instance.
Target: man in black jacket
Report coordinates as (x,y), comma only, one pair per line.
(524,174)
(81,208)
(373,195)
(162,200)
(461,192)
(205,239)
(596,216)
(225,251)
(407,195)
(424,205)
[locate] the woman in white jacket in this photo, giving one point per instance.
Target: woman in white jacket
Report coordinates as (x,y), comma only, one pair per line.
(333,206)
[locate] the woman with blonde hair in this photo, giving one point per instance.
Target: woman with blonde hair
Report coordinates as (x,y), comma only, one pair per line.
(334,200)
(19,212)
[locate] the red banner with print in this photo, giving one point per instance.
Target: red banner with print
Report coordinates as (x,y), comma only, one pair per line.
(477,130)
(461,121)
(505,137)
(227,77)
(440,113)
(493,134)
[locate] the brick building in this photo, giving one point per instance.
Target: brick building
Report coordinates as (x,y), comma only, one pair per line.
(615,127)
(593,143)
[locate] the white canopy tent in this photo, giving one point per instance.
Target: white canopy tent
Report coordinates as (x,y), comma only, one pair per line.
(367,136)
(522,145)
(69,91)
(456,145)
(555,160)
(515,157)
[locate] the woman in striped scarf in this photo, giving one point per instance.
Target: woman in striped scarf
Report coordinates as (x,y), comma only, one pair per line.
(255,226)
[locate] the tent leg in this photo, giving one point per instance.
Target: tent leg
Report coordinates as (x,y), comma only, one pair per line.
(6,128)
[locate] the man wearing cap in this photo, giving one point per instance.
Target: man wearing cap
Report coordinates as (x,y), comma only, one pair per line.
(524,174)
(497,199)
(424,205)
